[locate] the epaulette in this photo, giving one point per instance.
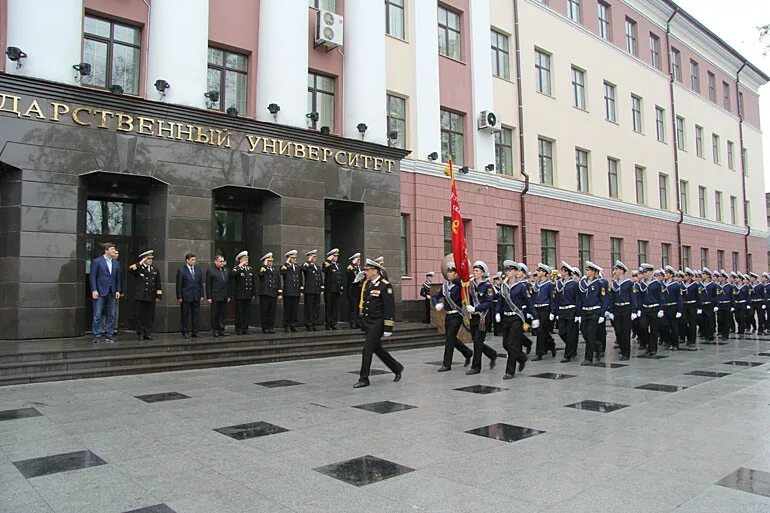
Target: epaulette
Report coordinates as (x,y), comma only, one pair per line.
(350,267)
(327,264)
(386,282)
(283,268)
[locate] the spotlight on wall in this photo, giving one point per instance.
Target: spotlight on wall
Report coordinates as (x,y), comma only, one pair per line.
(232,111)
(15,54)
(392,135)
(312,116)
(433,156)
(326,130)
(361,127)
(213,96)
(273,108)
(161,86)
(116,89)
(489,167)
(83,69)
(464,170)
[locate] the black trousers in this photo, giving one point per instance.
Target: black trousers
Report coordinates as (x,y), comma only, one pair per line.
(191,311)
(725,319)
(218,311)
(589,326)
(760,314)
(623,329)
(373,345)
(290,308)
(544,340)
(354,297)
(428,308)
(742,317)
(649,326)
(144,311)
(267,312)
(568,332)
(242,315)
(513,334)
(452,323)
(332,308)
(670,327)
(708,321)
(479,334)
(691,322)
(312,309)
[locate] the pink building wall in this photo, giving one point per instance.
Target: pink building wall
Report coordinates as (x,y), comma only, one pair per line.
(327,63)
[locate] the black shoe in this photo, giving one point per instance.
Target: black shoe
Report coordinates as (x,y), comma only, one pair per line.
(149,337)
(537,358)
(653,353)
(553,351)
(224,334)
(623,358)
(328,328)
(598,359)
(194,335)
(185,335)
(245,332)
(566,359)
(492,363)
(293,329)
(674,348)
(139,336)
(316,329)
(468,360)
(508,376)
(109,341)
(215,334)
(522,364)
(397,377)
(471,372)
(335,327)
(586,362)
(96,341)
(361,384)
(444,368)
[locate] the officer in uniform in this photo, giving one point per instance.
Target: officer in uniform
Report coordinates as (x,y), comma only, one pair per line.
(291,285)
(672,298)
(353,289)
(766,285)
(334,287)
(725,304)
(652,306)
(425,293)
(708,305)
(544,295)
(217,288)
(593,302)
(312,287)
(380,260)
(377,309)
(269,286)
(758,298)
(147,292)
(623,307)
(243,286)
(480,305)
(743,298)
(451,294)
(692,294)
(514,300)
(567,297)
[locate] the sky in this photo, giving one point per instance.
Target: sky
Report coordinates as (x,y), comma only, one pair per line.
(736,22)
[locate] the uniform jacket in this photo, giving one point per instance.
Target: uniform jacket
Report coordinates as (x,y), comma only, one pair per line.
(672,295)
(651,293)
(758,292)
(217,283)
(334,279)
(724,295)
(519,294)
(243,282)
(147,282)
(452,290)
(593,296)
(354,289)
(312,279)
(544,295)
(102,281)
(378,303)
(692,293)
(624,294)
(291,280)
(269,281)
(482,296)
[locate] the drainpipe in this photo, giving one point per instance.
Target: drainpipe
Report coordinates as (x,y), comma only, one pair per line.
(673,139)
(743,165)
(522,164)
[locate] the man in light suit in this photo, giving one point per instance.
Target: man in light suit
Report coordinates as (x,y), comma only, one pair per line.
(189,293)
(106,289)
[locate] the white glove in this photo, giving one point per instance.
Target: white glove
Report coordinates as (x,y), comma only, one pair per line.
(535,324)
(633,316)
(552,316)
(678,315)
(601,319)
(732,309)
(698,311)
(748,307)
(716,309)
(612,316)
(439,307)
(497,317)
(764,307)
(470,308)
(607,313)
(577,320)
(387,334)
(660,314)
(529,316)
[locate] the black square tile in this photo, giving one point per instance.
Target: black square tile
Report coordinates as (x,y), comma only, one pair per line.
(158,508)
(553,375)
(714,342)
(384,407)
(748,480)
(608,365)
(707,374)
(251,430)
(165,396)
(763,354)
(598,406)
(481,389)
(373,372)
(652,356)
(364,470)
(36,467)
(279,383)
(20,413)
(505,432)
(661,388)
(685,348)
(738,363)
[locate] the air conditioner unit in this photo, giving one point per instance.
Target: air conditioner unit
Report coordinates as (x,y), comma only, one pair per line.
(328,30)
(488,121)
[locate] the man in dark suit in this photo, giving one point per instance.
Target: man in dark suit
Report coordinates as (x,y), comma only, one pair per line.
(217,284)
(106,289)
(189,293)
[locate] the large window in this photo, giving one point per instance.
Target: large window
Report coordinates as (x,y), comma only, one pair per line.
(640,179)
(718,205)
(704,257)
(616,250)
(506,245)
(699,141)
(726,96)
(404,244)
(543,72)
(731,155)
(227,74)
(642,247)
(604,21)
(720,259)
(449,41)
(612,177)
(685,256)
(660,123)
(694,76)
(320,101)
(325,5)
(610,110)
(632,44)
(584,249)
(733,210)
(680,133)
(394,18)
(702,210)
(715,149)
(676,64)
(581,165)
(663,191)
(548,247)
(112,49)
(654,50)
(501,58)
(545,160)
(396,121)
(684,196)
(636,113)
(504,151)
(712,80)
(665,251)
(452,139)
(735,261)
(229,233)
(573,10)
(578,88)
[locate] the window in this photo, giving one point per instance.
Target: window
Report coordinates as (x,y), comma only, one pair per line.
(396,121)
(642,247)
(694,76)
(720,259)
(731,155)
(616,250)
(324,5)
(665,250)
(449,42)
(748,262)
(745,161)
(726,96)
(715,150)
(447,235)
(733,210)
(612,177)
(404,244)
(394,18)
(578,88)
(680,133)
(320,100)
(573,10)
(112,49)
(543,72)
(702,202)
(718,205)
(506,249)
(504,151)
(632,46)
(548,247)
(684,200)
(501,58)
(663,191)
(609,102)
(581,164)
(747,212)
(685,256)
(545,160)
(604,21)
(452,139)
(636,113)
(740,105)
(640,178)
(660,123)
(699,141)
(654,50)
(704,257)
(676,64)
(227,73)
(735,261)
(584,249)
(712,86)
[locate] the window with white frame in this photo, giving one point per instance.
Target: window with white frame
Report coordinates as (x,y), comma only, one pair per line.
(660,123)
(581,166)
(654,50)
(573,10)
(694,76)
(612,176)
(699,141)
(543,71)
(731,155)
(545,160)
(632,44)
(680,133)
(718,205)
(578,88)
(610,109)
(676,64)
(636,113)
(716,149)
(604,21)
(501,58)
(640,180)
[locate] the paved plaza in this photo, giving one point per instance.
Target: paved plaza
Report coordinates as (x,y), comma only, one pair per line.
(686,432)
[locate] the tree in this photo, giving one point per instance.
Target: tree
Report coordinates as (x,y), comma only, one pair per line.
(764,33)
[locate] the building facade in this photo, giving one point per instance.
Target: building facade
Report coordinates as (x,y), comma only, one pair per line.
(582,129)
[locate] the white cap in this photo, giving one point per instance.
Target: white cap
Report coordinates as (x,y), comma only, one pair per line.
(266,256)
(241,255)
(291,253)
(334,251)
(149,252)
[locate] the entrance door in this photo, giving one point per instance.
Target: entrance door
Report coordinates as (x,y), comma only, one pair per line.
(344,229)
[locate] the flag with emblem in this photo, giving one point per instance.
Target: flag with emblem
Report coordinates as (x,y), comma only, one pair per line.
(459,249)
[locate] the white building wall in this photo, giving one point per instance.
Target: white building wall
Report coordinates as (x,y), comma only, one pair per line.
(481,79)
(426,105)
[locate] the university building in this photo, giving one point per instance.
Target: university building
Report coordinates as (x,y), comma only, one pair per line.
(579,129)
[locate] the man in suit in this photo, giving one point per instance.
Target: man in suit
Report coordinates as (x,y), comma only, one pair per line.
(217,285)
(189,293)
(106,289)
(147,292)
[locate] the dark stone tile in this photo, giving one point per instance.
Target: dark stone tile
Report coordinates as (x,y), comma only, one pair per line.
(707,374)
(279,383)
(373,372)
(364,470)
(36,467)
(763,354)
(652,356)
(748,480)
(661,388)
(505,432)
(553,375)
(164,396)
(598,406)
(158,508)
(737,363)
(481,389)
(251,430)
(684,348)
(608,365)
(21,413)
(384,407)
(714,342)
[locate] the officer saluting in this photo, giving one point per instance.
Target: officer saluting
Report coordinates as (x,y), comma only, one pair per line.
(147,292)
(593,303)
(380,260)
(514,300)
(269,285)
(243,287)
(334,287)
(353,288)
(291,279)
(623,308)
(312,287)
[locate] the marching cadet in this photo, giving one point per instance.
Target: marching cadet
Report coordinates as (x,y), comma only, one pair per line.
(682,331)
(353,289)
(567,300)
(147,292)
(673,306)
(451,294)
(623,307)
(481,296)
(601,331)
(291,286)
(312,287)
(757,315)
(514,300)
(546,313)
(425,293)
(692,294)
(217,288)
(243,287)
(725,304)
(593,301)
(378,309)
(635,321)
(269,293)
(708,305)
(380,260)
(334,287)
(652,306)
(742,293)
(496,280)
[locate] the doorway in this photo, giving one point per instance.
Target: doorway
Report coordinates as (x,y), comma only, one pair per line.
(344,229)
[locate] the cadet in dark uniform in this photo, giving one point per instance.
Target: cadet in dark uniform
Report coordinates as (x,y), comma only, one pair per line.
(378,309)
(480,307)
(567,311)
(651,301)
(291,286)
(451,294)
(514,301)
(312,287)
(593,301)
(766,309)
(334,287)
(269,285)
(243,287)
(217,288)
(147,292)
(757,315)
(743,296)
(425,293)
(672,298)
(623,308)
(691,297)
(708,292)
(725,304)
(545,305)
(353,289)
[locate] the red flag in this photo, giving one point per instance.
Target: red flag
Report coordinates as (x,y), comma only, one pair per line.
(459,249)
